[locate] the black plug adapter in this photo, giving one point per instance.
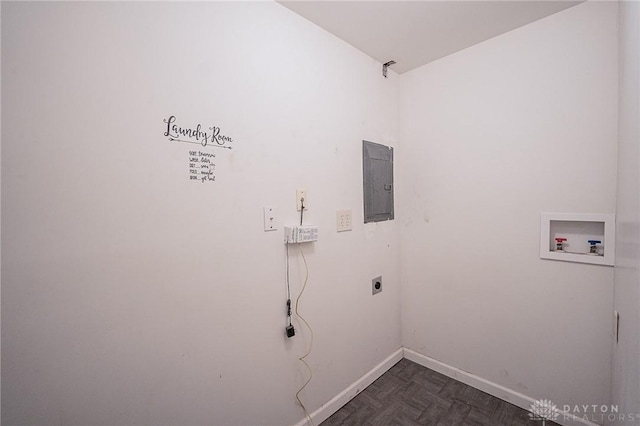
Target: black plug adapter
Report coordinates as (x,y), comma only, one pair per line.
(290,331)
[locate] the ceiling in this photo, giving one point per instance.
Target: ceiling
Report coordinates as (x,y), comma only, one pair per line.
(413,33)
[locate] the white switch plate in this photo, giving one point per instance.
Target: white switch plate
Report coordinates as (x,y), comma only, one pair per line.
(270,219)
(343,220)
(300,194)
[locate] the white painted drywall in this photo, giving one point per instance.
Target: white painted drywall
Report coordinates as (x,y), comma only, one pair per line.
(131,295)
(626,353)
(492,136)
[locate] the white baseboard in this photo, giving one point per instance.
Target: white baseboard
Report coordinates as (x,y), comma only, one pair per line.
(499,391)
(326,410)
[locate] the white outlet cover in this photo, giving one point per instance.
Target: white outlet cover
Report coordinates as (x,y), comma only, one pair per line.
(344,220)
(300,194)
(270,219)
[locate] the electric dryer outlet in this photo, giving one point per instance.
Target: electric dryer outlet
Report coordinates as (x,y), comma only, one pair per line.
(376,285)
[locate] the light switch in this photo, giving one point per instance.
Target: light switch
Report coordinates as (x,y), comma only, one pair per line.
(270,219)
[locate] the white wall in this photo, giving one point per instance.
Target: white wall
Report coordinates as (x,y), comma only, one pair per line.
(491,137)
(626,353)
(134,296)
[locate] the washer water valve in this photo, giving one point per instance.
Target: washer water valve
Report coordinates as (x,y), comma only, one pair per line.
(559,242)
(593,247)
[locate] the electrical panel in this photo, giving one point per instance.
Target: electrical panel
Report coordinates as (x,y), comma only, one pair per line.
(300,234)
(377,165)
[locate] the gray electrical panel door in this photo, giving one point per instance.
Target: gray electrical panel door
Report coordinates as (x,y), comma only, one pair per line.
(377,165)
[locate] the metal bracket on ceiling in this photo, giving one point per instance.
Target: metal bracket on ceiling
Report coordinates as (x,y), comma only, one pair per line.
(385,66)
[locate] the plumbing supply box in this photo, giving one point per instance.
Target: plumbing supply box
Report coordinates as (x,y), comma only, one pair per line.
(300,234)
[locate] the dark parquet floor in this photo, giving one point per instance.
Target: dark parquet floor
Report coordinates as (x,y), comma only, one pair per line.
(410,394)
